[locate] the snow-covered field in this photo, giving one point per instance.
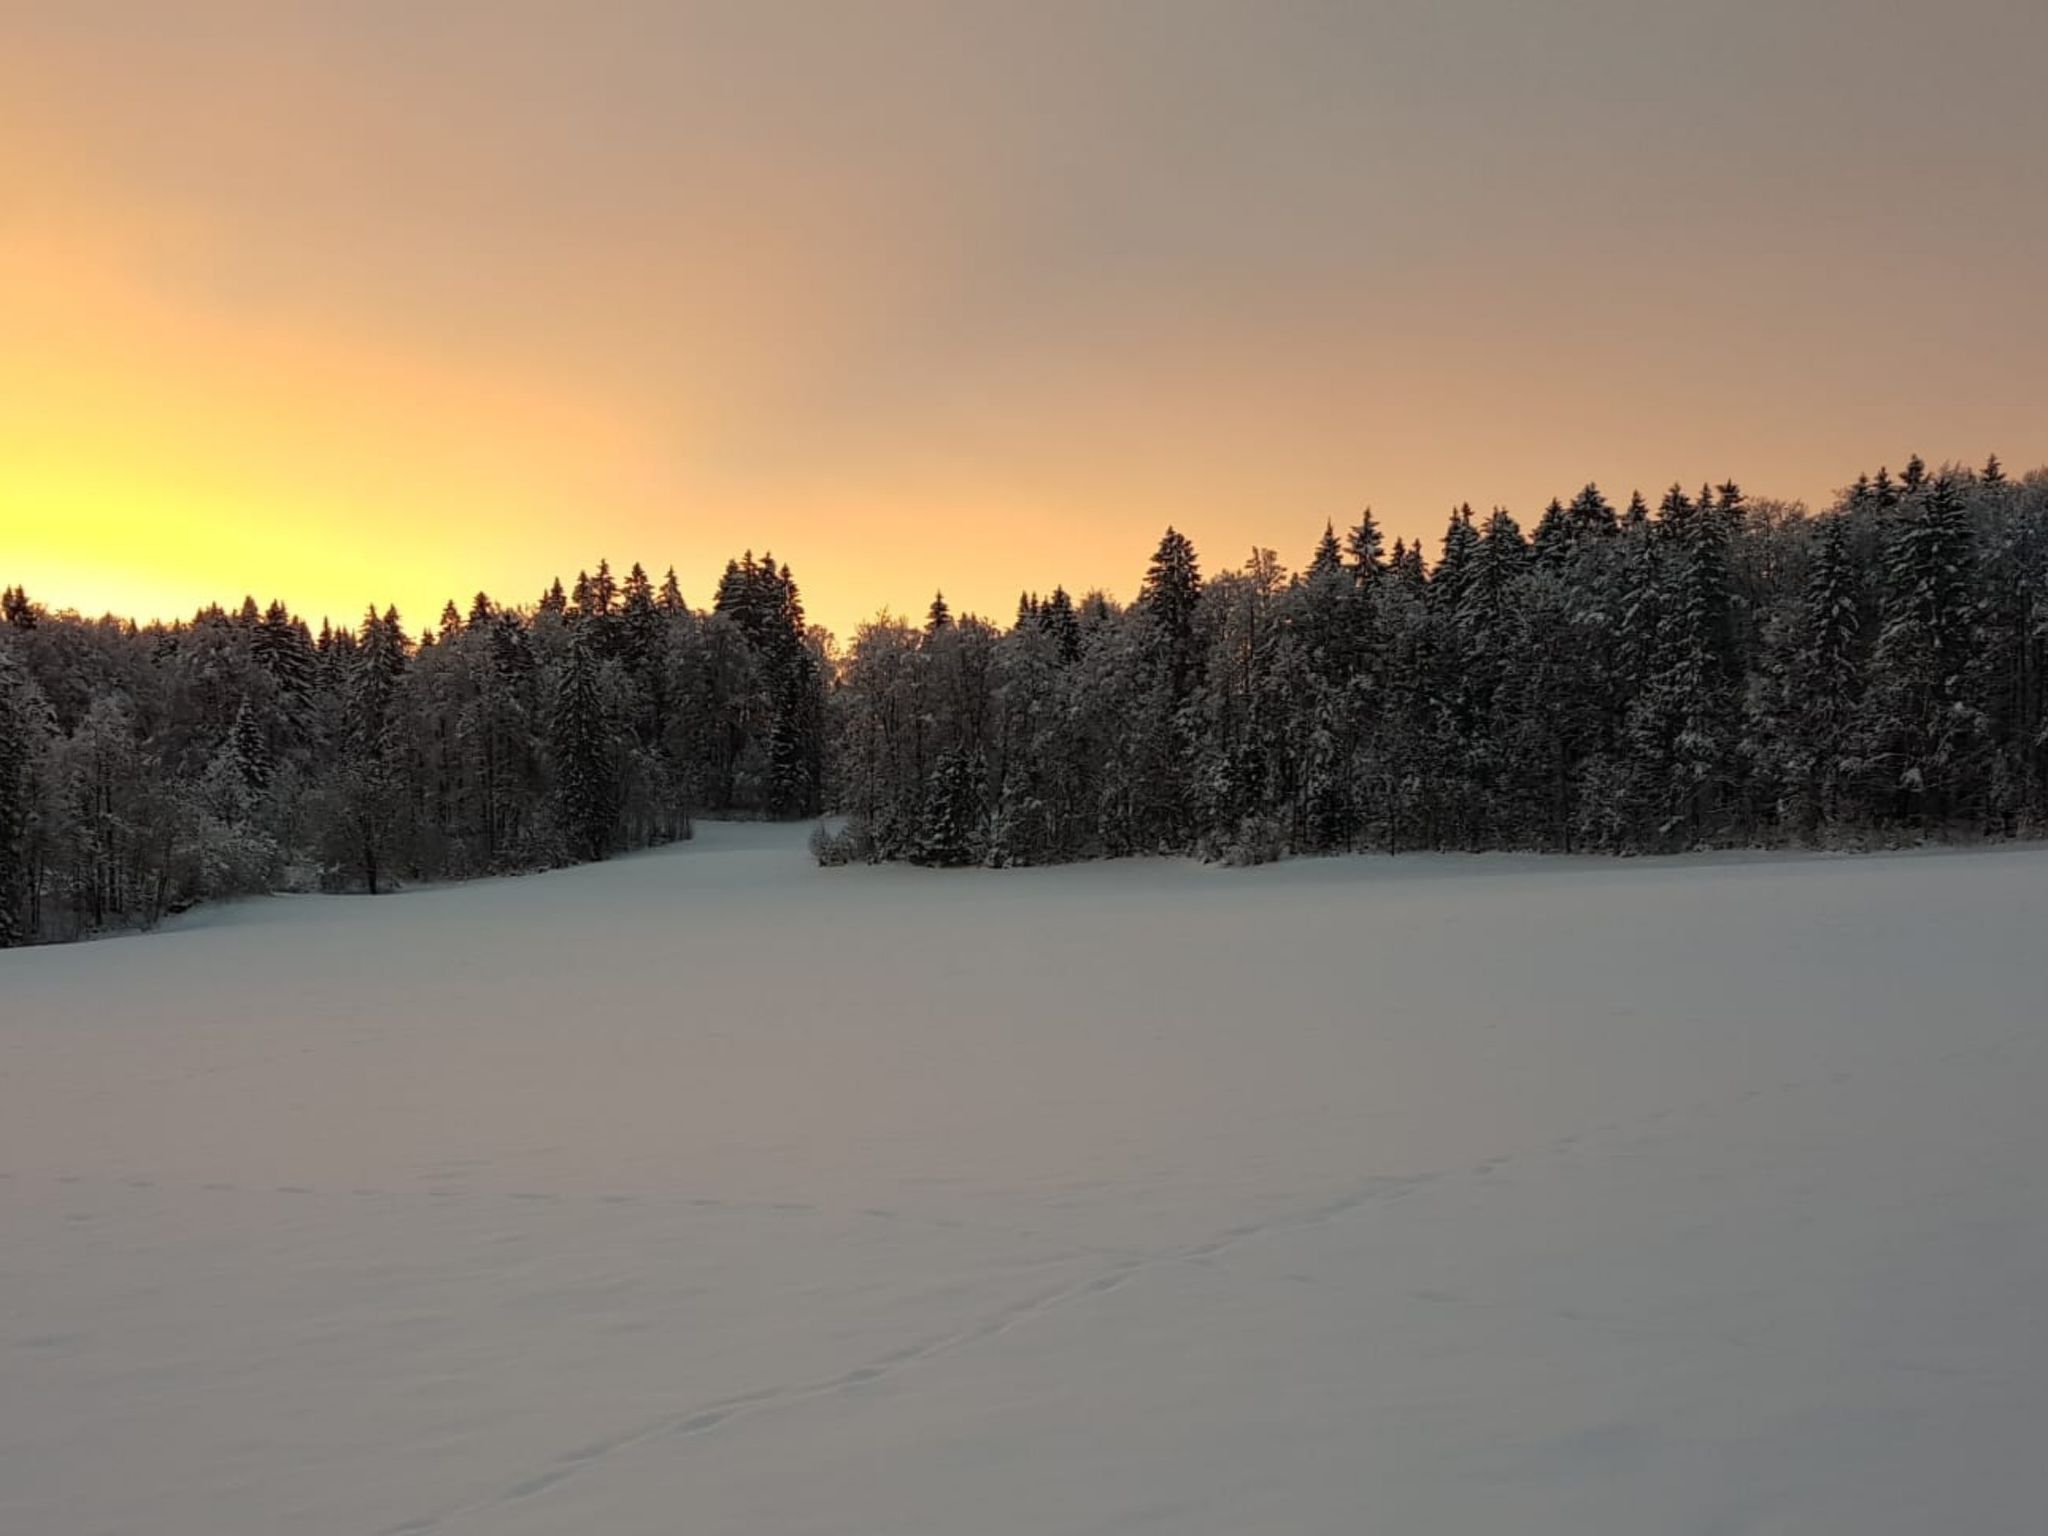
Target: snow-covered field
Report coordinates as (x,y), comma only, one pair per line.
(710,1192)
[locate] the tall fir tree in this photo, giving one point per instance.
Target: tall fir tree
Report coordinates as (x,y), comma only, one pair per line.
(24,724)
(1920,723)
(579,738)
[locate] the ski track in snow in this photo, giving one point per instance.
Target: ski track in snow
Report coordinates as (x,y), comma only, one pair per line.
(708,1417)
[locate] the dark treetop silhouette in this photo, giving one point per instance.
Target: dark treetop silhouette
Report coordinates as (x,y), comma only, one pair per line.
(1710,672)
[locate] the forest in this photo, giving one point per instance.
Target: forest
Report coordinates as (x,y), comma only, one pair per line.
(1714,671)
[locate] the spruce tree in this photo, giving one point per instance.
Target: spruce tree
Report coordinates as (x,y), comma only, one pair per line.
(739,595)
(1920,723)
(1173,585)
(1700,654)
(1328,557)
(640,623)
(372,789)
(1447,581)
(1172,588)
(1365,548)
(1590,515)
(24,722)
(946,833)
(1407,569)
(250,749)
(1554,538)
(1057,618)
(581,750)
(1828,675)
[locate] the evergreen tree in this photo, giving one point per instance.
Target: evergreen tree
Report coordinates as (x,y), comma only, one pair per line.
(1365,548)
(1920,725)
(579,736)
(671,598)
(1554,539)
(1407,568)
(1058,619)
(1328,559)
(1828,678)
(1173,586)
(641,625)
(250,750)
(1701,665)
(371,788)
(947,828)
(24,725)
(1590,516)
(1447,581)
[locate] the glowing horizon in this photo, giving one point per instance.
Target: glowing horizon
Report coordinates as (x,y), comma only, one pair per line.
(365,304)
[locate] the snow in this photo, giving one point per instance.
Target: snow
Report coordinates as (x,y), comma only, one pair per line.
(708,1191)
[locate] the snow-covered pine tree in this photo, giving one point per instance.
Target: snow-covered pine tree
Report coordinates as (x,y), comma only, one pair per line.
(670,600)
(580,739)
(1590,514)
(1701,653)
(1553,541)
(1488,626)
(24,727)
(1447,581)
(1365,551)
(250,750)
(1171,591)
(948,826)
(1057,618)
(1919,719)
(640,621)
(1828,676)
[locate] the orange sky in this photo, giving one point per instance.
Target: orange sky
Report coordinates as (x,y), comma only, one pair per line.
(391,301)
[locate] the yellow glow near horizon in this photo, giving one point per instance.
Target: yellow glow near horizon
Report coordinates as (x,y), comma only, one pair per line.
(351,307)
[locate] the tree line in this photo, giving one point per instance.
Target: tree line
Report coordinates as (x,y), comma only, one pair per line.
(143,768)
(1714,671)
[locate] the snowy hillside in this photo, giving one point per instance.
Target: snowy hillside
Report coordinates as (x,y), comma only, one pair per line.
(708,1191)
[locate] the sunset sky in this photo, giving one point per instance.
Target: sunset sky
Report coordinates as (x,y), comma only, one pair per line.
(390,301)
